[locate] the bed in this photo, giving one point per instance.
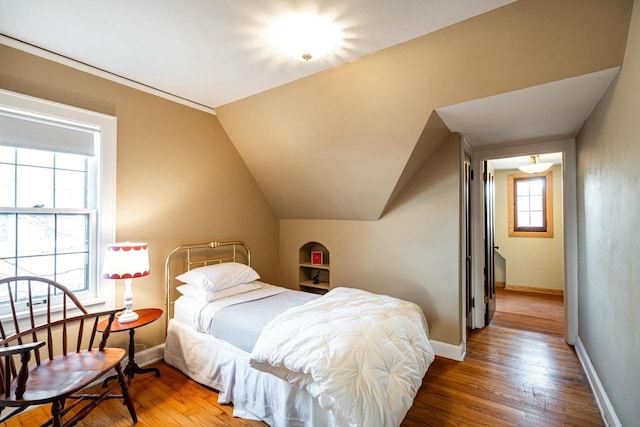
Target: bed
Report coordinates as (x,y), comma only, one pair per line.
(290,358)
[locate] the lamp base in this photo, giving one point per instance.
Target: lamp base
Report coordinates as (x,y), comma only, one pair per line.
(128,316)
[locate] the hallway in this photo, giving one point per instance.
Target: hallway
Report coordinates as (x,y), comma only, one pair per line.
(518,372)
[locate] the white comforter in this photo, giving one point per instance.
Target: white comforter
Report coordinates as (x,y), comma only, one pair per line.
(362,355)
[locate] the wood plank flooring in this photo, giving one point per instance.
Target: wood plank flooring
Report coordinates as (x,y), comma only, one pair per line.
(518,372)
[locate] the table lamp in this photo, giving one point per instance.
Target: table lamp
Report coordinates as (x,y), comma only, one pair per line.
(126,261)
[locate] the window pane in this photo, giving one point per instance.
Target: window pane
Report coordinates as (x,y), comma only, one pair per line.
(72,271)
(35,157)
(70,189)
(7,236)
(35,187)
(7,267)
(537,185)
(7,154)
(523,219)
(39,291)
(522,188)
(41,266)
(72,233)
(37,234)
(536,219)
(4,291)
(7,185)
(523,203)
(536,203)
(71,161)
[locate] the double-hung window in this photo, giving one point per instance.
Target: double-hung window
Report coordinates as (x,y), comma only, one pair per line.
(57,176)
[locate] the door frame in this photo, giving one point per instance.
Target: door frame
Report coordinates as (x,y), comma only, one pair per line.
(569,217)
(466,246)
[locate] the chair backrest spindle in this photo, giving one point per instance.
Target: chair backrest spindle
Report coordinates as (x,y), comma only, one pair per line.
(64,339)
(105,333)
(93,332)
(34,338)
(13,311)
(8,361)
(80,335)
(50,343)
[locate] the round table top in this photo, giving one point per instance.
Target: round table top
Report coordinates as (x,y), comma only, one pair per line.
(146,316)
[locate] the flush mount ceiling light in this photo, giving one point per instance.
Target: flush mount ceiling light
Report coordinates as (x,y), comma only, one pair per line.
(306,37)
(535,166)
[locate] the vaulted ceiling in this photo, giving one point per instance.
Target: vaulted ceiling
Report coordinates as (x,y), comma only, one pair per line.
(213,52)
(339,144)
(340,138)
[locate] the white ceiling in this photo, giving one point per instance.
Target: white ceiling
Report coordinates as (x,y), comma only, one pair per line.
(552,110)
(213,52)
(515,162)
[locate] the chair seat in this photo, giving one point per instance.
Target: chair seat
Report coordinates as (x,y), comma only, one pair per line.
(66,375)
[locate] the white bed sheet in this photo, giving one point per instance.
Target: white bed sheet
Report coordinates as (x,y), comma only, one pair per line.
(199,314)
(255,395)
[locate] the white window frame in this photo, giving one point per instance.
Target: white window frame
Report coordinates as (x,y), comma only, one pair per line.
(104,296)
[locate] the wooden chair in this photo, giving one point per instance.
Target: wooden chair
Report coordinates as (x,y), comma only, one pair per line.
(68,366)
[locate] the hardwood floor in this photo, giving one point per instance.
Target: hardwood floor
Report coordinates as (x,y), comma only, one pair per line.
(518,372)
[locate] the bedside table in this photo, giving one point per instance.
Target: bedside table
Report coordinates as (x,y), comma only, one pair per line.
(146,316)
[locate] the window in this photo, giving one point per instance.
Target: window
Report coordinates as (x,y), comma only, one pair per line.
(531,205)
(57,180)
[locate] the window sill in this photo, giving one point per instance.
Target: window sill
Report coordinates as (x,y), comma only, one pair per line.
(91,304)
(530,233)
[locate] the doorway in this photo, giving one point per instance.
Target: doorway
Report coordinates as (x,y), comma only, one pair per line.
(526,253)
(568,219)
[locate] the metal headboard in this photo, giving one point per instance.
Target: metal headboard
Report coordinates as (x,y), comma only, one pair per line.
(200,255)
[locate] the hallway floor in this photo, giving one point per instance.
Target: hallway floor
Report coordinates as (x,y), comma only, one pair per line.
(518,372)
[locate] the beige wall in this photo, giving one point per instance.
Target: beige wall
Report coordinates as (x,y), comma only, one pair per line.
(412,252)
(312,144)
(535,262)
(179,177)
(608,149)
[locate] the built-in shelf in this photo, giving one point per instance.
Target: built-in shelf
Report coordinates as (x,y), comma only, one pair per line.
(310,284)
(319,266)
(310,271)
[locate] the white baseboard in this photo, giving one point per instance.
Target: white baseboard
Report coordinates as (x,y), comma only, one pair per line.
(450,351)
(143,358)
(602,399)
(149,355)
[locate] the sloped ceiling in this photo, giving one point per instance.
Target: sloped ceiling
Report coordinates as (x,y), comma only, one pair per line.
(560,107)
(343,140)
(340,144)
(212,52)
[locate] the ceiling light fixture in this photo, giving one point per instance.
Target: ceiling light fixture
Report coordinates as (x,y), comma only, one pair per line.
(535,166)
(305,36)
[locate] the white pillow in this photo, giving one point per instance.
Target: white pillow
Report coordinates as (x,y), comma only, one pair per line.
(219,276)
(202,294)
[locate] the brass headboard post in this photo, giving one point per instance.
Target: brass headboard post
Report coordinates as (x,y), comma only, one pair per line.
(201,248)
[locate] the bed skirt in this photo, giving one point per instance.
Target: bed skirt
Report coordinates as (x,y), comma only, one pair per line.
(255,395)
